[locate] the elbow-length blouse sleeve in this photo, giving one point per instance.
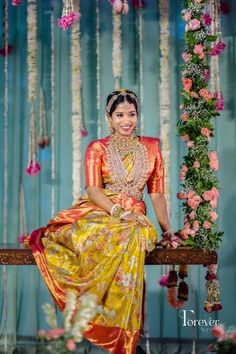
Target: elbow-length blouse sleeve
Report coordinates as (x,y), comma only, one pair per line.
(93,165)
(155,183)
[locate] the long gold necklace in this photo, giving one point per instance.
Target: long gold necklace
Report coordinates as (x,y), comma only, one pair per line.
(130,183)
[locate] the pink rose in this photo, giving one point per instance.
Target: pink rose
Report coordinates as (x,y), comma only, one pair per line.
(207,225)
(213,215)
(196,164)
(214,163)
(184,137)
(184,117)
(184,234)
(215,192)
(194,24)
(187,83)
(196,225)
(194,201)
(186,15)
(234,336)
(206,132)
(186,56)
(54,333)
(207,195)
(190,144)
(205,94)
(71,345)
(218,332)
(192,215)
(194,94)
(219,101)
(182,195)
(207,74)
(199,50)
(213,202)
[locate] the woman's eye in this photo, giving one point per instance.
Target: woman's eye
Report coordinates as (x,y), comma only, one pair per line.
(119,115)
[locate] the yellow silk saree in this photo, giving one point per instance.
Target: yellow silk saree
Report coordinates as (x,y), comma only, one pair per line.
(87,250)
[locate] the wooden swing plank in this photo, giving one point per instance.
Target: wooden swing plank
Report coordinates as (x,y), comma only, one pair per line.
(14,254)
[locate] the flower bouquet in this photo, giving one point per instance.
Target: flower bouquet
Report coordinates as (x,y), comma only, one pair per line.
(226,340)
(76,316)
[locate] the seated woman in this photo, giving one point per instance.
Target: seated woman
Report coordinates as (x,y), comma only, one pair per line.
(99,245)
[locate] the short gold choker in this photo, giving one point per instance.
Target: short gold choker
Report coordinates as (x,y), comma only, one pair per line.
(124,145)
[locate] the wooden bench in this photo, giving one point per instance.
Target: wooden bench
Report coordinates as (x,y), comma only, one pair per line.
(15,254)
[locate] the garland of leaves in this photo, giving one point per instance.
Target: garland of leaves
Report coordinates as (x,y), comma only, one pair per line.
(200,185)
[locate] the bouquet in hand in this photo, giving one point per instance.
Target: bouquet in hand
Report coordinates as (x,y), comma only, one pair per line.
(226,340)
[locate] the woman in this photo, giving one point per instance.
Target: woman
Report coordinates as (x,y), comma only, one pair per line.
(99,245)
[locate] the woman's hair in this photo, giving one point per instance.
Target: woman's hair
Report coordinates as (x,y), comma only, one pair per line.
(120,96)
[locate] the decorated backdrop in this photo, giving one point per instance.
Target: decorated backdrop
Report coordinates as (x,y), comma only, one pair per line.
(53,86)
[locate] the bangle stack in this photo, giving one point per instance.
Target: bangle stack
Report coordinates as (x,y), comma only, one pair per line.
(116,210)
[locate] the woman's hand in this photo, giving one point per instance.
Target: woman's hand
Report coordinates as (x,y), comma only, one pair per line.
(141,219)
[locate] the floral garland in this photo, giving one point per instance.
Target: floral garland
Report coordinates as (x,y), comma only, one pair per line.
(23,234)
(165,94)
(116,49)
(200,186)
(99,123)
(33,167)
(69,15)
(75,60)
(140,33)
(52,130)
(120,6)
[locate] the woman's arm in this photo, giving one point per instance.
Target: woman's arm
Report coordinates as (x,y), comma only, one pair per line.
(160,207)
(99,198)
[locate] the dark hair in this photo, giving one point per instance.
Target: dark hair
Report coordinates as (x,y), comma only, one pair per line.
(122,98)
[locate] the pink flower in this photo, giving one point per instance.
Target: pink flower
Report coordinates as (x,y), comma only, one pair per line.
(207,225)
(182,195)
(190,144)
(21,238)
(218,48)
(6,50)
(16,2)
(41,333)
(233,335)
(215,192)
(207,19)
(186,56)
(213,216)
(184,117)
(199,50)
(189,230)
(83,132)
(71,345)
(184,137)
(197,1)
(194,94)
(187,83)
(67,20)
(194,200)
(192,215)
(137,4)
(186,15)
(196,225)
(214,163)
(120,6)
(194,24)
(218,332)
(207,74)
(184,234)
(33,168)
(164,280)
(219,101)
(196,164)
(54,333)
(205,94)
(206,132)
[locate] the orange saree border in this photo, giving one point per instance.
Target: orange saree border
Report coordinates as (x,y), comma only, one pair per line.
(114,339)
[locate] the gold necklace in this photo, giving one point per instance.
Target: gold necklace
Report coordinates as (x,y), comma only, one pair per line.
(124,145)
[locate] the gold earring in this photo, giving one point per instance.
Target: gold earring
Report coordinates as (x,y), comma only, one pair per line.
(109,124)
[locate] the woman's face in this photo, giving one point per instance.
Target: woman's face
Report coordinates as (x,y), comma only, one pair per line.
(124,119)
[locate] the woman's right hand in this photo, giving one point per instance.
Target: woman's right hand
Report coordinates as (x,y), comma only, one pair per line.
(140,218)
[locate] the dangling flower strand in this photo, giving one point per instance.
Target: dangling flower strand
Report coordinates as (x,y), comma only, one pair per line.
(69,15)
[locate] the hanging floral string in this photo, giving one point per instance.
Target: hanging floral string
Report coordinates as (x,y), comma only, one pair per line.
(23,228)
(76,110)
(7,48)
(52,131)
(69,15)
(43,135)
(33,168)
(140,34)
(31,48)
(99,123)
(165,94)
(16,2)
(120,6)
(116,50)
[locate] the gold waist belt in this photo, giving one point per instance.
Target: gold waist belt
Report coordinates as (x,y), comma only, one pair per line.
(125,190)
